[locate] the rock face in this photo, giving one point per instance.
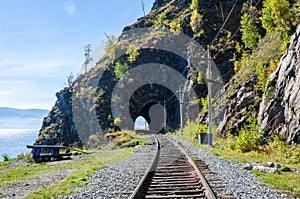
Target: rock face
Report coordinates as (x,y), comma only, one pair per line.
(58,126)
(159,3)
(240,104)
(280,108)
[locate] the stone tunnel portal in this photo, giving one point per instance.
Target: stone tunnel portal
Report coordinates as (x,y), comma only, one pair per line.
(150,103)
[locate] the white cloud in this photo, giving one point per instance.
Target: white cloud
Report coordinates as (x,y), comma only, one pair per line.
(69,7)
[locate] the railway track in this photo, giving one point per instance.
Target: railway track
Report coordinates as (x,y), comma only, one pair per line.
(172,174)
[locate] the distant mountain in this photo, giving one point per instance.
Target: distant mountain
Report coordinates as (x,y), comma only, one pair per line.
(11,118)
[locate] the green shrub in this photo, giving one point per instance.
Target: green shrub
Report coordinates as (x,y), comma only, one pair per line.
(249,138)
(262,73)
(204,102)
(132,53)
(250,34)
(160,21)
(200,78)
(117,121)
(196,23)
(276,16)
(6,158)
(191,130)
(175,27)
(293,153)
(25,156)
(277,143)
(120,69)
(194,5)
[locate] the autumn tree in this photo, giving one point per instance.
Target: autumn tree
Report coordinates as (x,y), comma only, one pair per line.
(276,16)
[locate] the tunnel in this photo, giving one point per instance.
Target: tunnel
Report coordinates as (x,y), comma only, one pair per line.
(157,104)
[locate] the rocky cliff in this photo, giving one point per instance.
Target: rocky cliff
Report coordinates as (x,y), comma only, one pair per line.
(58,126)
(277,110)
(280,108)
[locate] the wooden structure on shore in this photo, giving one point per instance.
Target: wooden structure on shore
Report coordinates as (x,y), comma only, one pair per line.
(36,152)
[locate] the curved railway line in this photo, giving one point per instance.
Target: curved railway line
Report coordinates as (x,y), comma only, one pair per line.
(172,174)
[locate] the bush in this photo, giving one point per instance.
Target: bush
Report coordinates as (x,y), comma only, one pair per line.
(6,158)
(250,34)
(277,16)
(293,153)
(160,22)
(175,27)
(204,102)
(277,143)
(194,5)
(249,138)
(196,23)
(132,53)
(191,130)
(25,156)
(117,121)
(120,69)
(262,73)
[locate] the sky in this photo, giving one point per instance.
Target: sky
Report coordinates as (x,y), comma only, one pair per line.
(42,42)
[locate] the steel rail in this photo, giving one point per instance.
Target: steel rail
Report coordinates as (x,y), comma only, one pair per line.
(139,190)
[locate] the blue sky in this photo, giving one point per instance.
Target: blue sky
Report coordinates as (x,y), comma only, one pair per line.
(42,41)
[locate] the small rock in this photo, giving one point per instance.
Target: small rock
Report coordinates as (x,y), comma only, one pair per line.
(248,166)
(270,164)
(285,169)
(264,169)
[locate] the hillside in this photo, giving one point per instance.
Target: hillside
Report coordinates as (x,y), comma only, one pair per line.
(11,118)
(246,46)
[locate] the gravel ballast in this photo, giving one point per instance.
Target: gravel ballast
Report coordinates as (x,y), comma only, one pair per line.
(241,183)
(120,179)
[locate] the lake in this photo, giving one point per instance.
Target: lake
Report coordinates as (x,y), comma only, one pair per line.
(14,141)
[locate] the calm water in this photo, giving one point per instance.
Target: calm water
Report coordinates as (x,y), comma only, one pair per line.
(14,141)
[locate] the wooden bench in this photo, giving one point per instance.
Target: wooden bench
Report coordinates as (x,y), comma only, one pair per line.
(36,152)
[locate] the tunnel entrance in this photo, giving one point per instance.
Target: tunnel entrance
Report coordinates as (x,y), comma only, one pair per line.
(158,105)
(141,124)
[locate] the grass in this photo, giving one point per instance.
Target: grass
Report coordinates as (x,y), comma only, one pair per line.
(86,168)
(283,181)
(14,174)
(286,182)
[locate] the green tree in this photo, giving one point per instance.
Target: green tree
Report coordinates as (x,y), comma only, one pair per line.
(276,16)
(249,30)
(120,69)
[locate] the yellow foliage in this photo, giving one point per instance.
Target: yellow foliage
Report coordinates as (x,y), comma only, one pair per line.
(175,27)
(117,121)
(196,23)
